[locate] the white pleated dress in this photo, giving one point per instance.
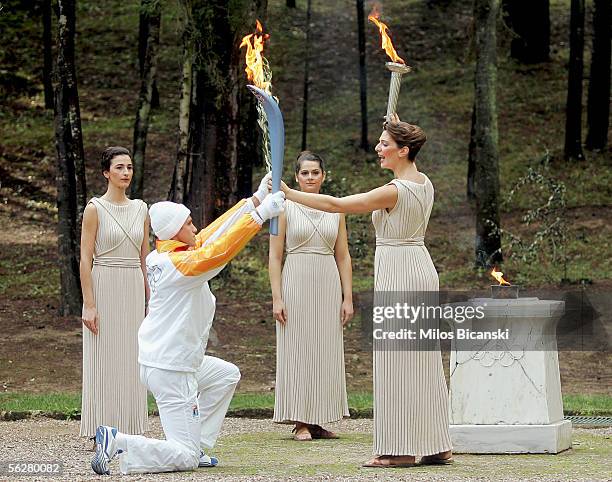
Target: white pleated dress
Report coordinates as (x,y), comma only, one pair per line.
(410,393)
(310,375)
(112,392)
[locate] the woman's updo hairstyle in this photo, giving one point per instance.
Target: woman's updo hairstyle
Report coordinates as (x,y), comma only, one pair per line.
(308,156)
(406,135)
(110,153)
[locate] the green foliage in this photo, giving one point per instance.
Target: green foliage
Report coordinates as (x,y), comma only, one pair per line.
(548,214)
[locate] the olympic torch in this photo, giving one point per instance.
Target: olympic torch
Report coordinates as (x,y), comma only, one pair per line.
(276,131)
(270,117)
(397,66)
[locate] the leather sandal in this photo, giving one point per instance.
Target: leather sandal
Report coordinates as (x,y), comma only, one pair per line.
(377,463)
(302,436)
(435,460)
(320,433)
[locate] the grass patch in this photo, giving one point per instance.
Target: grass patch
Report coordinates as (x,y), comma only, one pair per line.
(69,404)
(587,405)
(275,455)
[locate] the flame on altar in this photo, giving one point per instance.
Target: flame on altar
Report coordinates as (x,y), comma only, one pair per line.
(499,276)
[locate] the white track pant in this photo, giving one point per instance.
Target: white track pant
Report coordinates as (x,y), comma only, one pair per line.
(190,422)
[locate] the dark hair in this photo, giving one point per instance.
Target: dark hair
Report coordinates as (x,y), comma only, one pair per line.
(110,153)
(308,156)
(406,135)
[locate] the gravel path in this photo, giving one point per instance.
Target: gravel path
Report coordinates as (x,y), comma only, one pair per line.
(260,450)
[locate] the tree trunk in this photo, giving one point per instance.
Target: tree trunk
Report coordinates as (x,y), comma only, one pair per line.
(180,178)
(306,77)
(530,22)
(573,113)
(363,77)
(290,3)
(147,7)
(486,173)
(201,197)
(471,194)
(48,54)
(218,133)
(69,145)
(147,80)
(598,107)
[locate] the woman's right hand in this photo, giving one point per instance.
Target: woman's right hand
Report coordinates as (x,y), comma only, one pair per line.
(90,319)
(283,186)
(279,311)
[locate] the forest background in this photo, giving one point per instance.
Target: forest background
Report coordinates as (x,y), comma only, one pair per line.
(40,349)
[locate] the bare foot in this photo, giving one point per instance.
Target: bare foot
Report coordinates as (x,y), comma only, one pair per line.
(302,434)
(391,461)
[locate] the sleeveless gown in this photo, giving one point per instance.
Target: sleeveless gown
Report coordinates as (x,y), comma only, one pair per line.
(112,392)
(310,375)
(410,393)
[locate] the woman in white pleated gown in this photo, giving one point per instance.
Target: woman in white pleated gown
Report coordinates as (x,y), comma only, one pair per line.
(312,301)
(114,244)
(410,393)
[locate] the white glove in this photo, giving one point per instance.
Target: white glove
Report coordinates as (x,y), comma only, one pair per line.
(262,190)
(272,206)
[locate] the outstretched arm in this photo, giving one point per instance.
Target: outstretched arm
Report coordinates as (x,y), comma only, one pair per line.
(384,197)
(219,252)
(220,225)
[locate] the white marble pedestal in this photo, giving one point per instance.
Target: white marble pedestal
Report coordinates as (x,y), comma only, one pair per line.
(505,396)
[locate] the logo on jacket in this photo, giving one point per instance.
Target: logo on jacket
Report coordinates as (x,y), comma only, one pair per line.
(153,275)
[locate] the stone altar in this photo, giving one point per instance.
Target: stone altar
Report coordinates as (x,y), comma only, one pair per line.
(505,395)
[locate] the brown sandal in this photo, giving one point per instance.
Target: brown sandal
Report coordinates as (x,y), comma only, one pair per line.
(435,460)
(302,437)
(388,465)
(320,433)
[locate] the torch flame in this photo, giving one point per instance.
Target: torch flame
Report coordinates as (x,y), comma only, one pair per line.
(254,44)
(498,275)
(387,45)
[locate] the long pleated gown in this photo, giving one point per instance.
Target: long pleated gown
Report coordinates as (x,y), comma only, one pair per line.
(112,392)
(310,375)
(410,393)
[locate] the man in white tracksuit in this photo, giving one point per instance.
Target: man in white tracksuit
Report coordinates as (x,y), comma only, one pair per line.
(192,390)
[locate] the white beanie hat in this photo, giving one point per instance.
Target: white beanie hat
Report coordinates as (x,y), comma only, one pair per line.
(167,218)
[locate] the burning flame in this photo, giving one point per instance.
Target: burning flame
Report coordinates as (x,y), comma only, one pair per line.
(254,44)
(387,45)
(498,275)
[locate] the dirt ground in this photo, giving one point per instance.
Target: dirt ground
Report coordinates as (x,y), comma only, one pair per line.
(261,450)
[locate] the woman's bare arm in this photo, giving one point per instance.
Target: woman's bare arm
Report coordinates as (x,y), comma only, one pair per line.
(384,197)
(345,269)
(88,240)
(277,247)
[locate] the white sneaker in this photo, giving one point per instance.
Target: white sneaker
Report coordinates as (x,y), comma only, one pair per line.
(206,461)
(106,449)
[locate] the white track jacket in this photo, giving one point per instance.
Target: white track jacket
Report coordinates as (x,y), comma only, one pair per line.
(174,334)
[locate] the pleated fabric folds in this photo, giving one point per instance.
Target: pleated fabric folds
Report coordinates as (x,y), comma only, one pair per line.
(410,392)
(112,392)
(310,374)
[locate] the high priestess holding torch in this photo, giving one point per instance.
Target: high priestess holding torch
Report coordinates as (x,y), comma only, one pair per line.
(410,393)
